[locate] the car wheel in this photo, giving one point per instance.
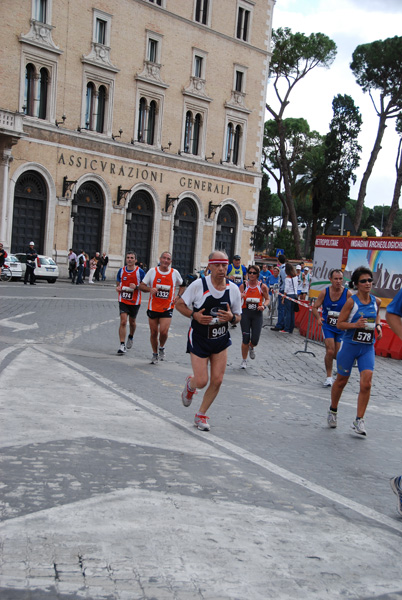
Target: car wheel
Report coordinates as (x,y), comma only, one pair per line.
(51,281)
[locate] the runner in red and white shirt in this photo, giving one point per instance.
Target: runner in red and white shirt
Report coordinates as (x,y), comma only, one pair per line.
(161,282)
(129,278)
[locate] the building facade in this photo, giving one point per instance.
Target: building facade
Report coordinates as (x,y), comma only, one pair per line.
(132,124)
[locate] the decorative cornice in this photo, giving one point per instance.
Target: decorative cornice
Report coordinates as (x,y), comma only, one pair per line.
(151,73)
(40,35)
(100,57)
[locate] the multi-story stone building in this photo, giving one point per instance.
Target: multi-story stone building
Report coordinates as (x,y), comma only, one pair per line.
(132,124)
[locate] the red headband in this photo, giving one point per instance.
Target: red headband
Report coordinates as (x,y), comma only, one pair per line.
(218,261)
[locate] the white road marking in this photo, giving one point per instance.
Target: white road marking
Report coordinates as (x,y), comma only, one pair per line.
(236,450)
(18,326)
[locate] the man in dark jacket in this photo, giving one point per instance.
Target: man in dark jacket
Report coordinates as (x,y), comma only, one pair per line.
(31,264)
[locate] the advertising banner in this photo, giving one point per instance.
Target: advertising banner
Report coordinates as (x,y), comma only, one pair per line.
(383,256)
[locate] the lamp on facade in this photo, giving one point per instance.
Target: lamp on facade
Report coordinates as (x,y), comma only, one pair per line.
(218,228)
(121,195)
(86,128)
(170,201)
(210,157)
(176,224)
(212,208)
(225,161)
(74,208)
(68,185)
(250,166)
(129,215)
(63,118)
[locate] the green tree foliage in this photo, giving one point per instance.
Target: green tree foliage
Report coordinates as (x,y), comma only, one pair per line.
(298,139)
(294,55)
(269,209)
(378,67)
(285,240)
(325,171)
(398,183)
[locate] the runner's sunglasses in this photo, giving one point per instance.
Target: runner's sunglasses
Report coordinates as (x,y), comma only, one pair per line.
(368,280)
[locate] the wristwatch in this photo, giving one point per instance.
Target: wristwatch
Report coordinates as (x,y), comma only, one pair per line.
(233,319)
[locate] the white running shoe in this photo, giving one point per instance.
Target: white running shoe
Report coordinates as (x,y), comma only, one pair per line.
(161,353)
(328,382)
(129,343)
(201,422)
(332,419)
(122,349)
(154,359)
(251,353)
(243,364)
(188,393)
(359,427)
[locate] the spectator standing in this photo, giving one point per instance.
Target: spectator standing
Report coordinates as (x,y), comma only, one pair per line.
(72,265)
(3,256)
(305,283)
(30,265)
(290,294)
(104,262)
(265,274)
(98,266)
(80,267)
(280,324)
(393,316)
(86,266)
(92,268)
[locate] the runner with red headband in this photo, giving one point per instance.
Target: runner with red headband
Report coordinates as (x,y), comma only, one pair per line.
(211,303)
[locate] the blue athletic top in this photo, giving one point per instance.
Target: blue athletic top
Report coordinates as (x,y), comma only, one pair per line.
(368,311)
(395,307)
(331,310)
(265,276)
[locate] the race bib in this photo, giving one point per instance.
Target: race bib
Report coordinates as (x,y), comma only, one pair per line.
(126,293)
(366,335)
(217,330)
(238,278)
(252,303)
(162,291)
(332,318)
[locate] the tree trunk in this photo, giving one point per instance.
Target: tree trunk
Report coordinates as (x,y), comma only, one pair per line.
(397,193)
(373,157)
(288,191)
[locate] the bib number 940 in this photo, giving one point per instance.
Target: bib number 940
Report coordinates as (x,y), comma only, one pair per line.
(217,331)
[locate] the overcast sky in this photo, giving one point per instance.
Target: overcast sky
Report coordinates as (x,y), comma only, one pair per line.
(349,23)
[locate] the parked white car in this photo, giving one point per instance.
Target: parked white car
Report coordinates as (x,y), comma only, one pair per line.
(15,266)
(46,268)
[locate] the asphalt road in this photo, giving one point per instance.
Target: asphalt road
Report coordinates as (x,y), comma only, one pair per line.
(108,491)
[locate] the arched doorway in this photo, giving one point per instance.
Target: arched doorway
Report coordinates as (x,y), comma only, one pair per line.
(184,236)
(87,234)
(227,223)
(29,215)
(139,229)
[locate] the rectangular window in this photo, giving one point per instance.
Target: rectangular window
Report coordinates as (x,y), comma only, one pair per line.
(158,2)
(201,11)
(40,11)
(243,24)
(152,50)
(198,66)
(100,32)
(239,81)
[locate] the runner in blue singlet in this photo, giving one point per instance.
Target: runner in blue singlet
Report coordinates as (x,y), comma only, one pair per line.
(360,319)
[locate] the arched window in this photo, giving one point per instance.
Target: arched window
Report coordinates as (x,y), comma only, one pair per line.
(89,107)
(151,122)
(142,120)
(29,97)
(100,118)
(236,145)
(187,131)
(43,92)
(229,142)
(196,133)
